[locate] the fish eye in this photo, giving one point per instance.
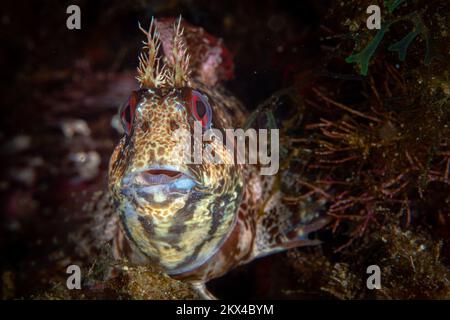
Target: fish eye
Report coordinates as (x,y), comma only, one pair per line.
(200,109)
(127,112)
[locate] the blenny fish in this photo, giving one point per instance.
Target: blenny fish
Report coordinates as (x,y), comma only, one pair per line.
(197,221)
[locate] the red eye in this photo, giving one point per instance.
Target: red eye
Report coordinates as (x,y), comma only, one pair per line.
(201,110)
(127,113)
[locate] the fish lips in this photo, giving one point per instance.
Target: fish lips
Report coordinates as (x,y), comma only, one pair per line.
(156,185)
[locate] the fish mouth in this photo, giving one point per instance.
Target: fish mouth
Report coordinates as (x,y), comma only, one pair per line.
(156,176)
(158,182)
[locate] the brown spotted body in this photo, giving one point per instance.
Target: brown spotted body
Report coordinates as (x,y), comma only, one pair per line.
(200,220)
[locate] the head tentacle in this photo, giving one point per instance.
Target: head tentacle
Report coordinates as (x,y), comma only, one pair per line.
(180,56)
(151,72)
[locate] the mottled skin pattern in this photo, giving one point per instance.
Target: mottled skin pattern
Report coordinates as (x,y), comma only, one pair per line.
(231,215)
(179,231)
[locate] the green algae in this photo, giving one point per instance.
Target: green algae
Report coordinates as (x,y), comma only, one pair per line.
(362,58)
(393,4)
(402,46)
